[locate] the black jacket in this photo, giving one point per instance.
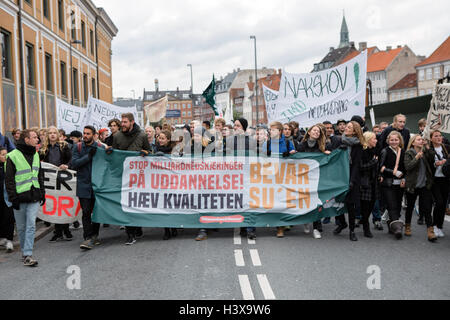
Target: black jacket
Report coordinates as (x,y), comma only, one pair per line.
(66,155)
(369,175)
(383,137)
(354,194)
(34,195)
(304,147)
(388,159)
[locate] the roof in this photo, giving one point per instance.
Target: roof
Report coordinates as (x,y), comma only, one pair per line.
(440,54)
(408,82)
(379,61)
(337,54)
(272,81)
(353,54)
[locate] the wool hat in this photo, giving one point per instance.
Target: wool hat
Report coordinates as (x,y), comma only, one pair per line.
(244,123)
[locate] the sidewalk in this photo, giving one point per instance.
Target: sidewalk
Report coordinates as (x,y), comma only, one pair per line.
(41,232)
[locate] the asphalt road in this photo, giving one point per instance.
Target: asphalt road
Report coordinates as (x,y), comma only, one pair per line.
(228,267)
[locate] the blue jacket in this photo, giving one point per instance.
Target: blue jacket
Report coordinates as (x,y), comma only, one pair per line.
(6,143)
(82,163)
(279,146)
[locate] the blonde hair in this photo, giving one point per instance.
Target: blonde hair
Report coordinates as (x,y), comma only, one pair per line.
(46,142)
(412,140)
(367,137)
(277,125)
(396,133)
(357,131)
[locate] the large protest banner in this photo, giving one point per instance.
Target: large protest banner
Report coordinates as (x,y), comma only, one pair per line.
(100,112)
(216,192)
(61,205)
(332,94)
(69,118)
(439,114)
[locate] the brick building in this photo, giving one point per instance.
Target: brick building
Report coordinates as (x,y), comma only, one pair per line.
(35,38)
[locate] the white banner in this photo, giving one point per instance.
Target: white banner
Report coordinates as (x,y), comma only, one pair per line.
(69,118)
(270,98)
(61,205)
(439,114)
(332,94)
(99,113)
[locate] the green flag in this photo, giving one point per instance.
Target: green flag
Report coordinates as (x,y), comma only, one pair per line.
(209,95)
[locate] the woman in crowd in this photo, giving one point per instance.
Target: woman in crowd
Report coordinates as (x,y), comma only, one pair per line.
(165,146)
(150,131)
(392,169)
(57,153)
(419,181)
(369,180)
(353,140)
(439,155)
(314,141)
(288,132)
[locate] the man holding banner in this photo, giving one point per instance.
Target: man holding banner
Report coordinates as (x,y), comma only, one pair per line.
(82,154)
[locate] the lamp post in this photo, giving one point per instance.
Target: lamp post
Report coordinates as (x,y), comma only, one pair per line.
(192,93)
(71,66)
(256,83)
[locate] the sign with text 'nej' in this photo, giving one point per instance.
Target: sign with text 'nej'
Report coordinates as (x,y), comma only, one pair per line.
(217,192)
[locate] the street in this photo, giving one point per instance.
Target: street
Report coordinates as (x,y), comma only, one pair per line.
(229,267)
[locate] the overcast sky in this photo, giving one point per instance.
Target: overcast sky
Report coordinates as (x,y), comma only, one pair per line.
(157,39)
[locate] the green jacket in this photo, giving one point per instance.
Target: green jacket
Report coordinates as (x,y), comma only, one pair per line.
(412,166)
(135,140)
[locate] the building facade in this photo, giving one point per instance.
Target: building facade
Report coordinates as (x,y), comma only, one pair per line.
(435,67)
(406,88)
(38,65)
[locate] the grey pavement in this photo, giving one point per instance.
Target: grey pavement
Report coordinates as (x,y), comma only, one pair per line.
(296,267)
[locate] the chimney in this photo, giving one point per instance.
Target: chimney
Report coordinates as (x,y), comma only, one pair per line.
(156,85)
(388,48)
(331,49)
(362,46)
(239,69)
(352,44)
(399,46)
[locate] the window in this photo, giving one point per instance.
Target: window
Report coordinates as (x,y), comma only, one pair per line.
(429,74)
(61,15)
(85,87)
(189,106)
(184,113)
(63,79)
(93,85)
(83,34)
(189,113)
(29,2)
(184,106)
(5,44)
(48,72)
(437,72)
(91,38)
(29,50)
(46,9)
(421,75)
(75,83)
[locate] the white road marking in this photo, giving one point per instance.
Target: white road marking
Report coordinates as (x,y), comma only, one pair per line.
(250,241)
(237,236)
(255,258)
(265,287)
(246,289)
(239,257)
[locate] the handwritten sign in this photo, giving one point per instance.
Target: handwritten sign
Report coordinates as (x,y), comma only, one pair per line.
(70,118)
(439,114)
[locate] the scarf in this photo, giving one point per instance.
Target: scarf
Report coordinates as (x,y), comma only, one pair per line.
(350,142)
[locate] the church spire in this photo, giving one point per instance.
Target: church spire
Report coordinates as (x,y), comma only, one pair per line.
(345,39)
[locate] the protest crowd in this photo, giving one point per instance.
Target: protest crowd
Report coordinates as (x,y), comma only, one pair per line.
(390,168)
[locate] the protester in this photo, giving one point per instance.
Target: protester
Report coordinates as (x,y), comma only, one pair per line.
(399,125)
(16,135)
(58,154)
(288,132)
(392,168)
(333,141)
(441,186)
(340,127)
(103,134)
(6,211)
(261,140)
(383,126)
(352,139)
(150,131)
(314,141)
(419,181)
(421,125)
(24,180)
(131,138)
(376,129)
(114,127)
(6,143)
(76,137)
(82,154)
(369,180)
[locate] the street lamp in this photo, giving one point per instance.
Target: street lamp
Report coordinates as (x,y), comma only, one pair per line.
(192,93)
(256,83)
(71,67)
